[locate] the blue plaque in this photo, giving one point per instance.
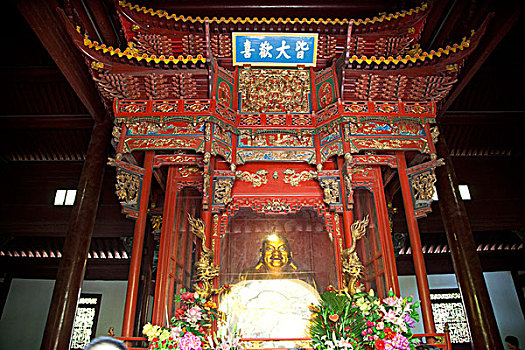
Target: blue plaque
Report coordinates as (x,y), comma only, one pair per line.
(274,49)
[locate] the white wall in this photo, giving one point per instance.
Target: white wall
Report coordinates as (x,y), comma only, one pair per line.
(502,294)
(25,313)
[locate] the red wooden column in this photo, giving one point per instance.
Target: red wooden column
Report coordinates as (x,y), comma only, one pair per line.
(469,274)
(136,252)
(385,234)
(72,265)
(168,221)
(348,215)
(415,243)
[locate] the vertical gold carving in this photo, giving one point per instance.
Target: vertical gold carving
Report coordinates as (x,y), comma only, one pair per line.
(353,269)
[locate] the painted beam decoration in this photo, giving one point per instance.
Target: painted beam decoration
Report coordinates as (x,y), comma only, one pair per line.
(274,49)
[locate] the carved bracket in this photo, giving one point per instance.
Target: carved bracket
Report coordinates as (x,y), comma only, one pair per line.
(421,179)
(222,189)
(128,186)
(331,185)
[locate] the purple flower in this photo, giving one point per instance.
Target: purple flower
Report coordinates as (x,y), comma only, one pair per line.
(409,320)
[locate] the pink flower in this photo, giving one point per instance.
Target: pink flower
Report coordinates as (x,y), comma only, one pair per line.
(390,316)
(194,314)
(190,342)
(176,332)
(390,301)
(399,342)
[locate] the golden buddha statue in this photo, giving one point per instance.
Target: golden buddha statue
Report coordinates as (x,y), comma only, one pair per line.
(275,261)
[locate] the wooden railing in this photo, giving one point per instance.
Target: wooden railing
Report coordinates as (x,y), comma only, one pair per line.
(439,340)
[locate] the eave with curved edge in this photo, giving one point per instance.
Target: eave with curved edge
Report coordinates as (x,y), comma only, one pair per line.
(421,77)
(395,20)
(383,35)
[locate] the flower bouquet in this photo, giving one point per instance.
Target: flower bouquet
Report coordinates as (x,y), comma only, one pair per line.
(363,321)
(188,329)
(225,339)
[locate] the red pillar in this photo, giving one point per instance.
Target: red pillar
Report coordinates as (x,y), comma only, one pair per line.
(72,265)
(136,253)
(348,215)
(415,243)
(469,274)
(168,217)
(385,234)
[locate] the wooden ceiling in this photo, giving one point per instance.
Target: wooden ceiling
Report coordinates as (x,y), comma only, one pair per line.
(49,103)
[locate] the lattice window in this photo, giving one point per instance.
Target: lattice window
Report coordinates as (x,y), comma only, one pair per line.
(85,320)
(447,307)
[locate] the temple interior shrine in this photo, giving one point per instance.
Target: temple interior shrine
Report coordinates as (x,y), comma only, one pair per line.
(296,174)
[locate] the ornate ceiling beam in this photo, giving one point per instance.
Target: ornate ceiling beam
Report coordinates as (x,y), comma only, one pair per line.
(44,19)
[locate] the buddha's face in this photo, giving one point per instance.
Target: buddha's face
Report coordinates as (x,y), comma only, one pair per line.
(275,252)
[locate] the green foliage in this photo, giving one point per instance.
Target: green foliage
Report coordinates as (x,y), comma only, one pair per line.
(336,318)
(363,321)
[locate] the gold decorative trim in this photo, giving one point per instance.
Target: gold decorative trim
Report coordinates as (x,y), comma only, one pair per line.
(424,56)
(257,179)
(131,53)
(188,170)
(252,20)
(294,179)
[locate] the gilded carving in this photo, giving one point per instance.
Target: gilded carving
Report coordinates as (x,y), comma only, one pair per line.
(423,185)
(330,190)
(347,178)
(156,223)
(206,184)
(97,65)
(274,90)
(215,226)
(275,140)
(389,143)
(276,206)
(353,269)
(116,133)
(127,187)
(294,179)
(187,170)
(205,269)
(257,179)
(222,191)
(362,170)
(267,155)
(434,132)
